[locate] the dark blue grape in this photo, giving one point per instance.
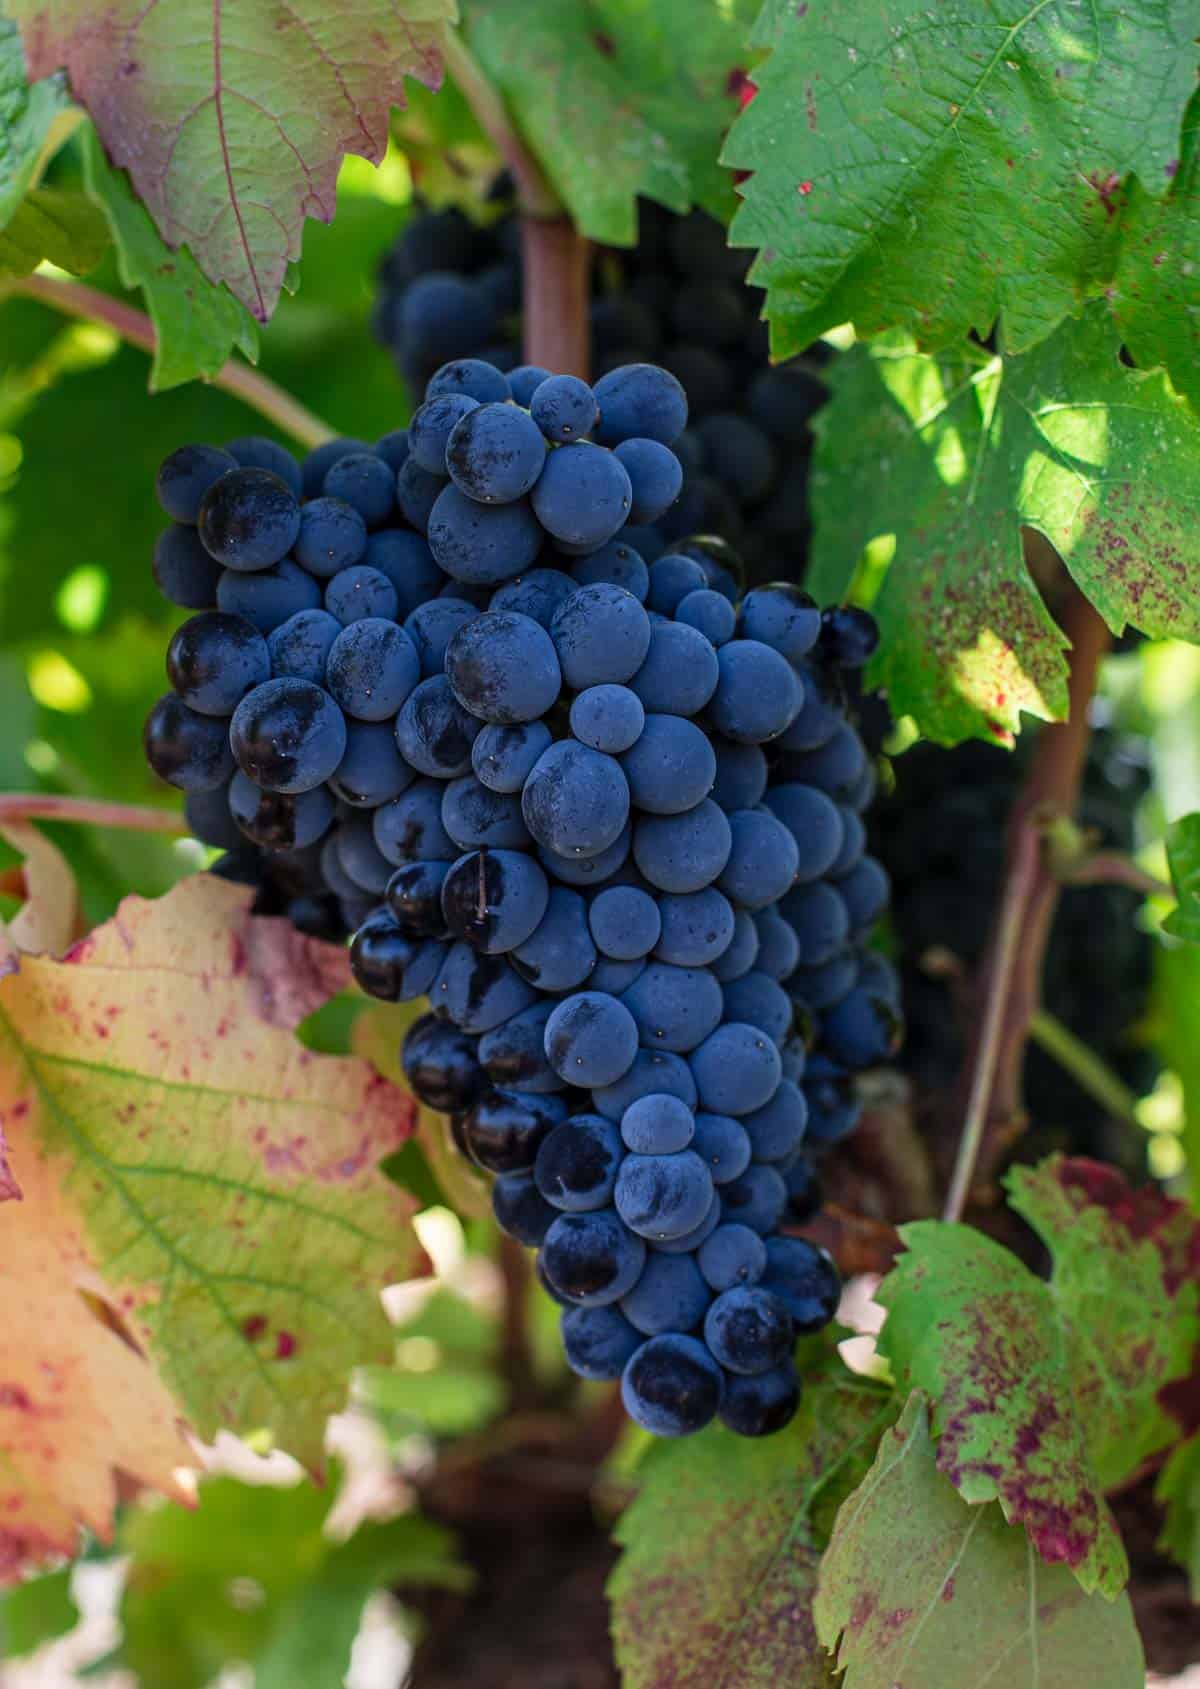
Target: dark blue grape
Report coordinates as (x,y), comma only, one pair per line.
(672,578)
(372,769)
(741,952)
(818,917)
(576,800)
(675,1008)
(589,870)
(521,1210)
(736,1070)
(758,1406)
(269,597)
(757,1000)
(655,477)
(441,1065)
(814,821)
(495,454)
(748,1330)
(417,491)
(524,381)
(288,735)
(433,730)
(614,564)
(503,1131)
(854,843)
(372,668)
(671,1386)
(332,537)
(183,571)
(301,645)
(209,820)
(758,694)
(514,1054)
(213,660)
(276,821)
(559,954)
(756,1198)
(414,895)
(653,1071)
(782,616)
(357,593)
(640,401)
(582,496)
(864,891)
(602,635)
(671,768)
(741,778)
(592,1258)
(474,816)
(186,475)
(709,613)
(722,1144)
(365,481)
(389,963)
(392,447)
(577,1164)
(849,636)
(663,1196)
(658,1124)
(804,1279)
(479,992)
(474,377)
(483,544)
(503,757)
(503,668)
(409,828)
(778,946)
(608,718)
(322,458)
(248,519)
(431,427)
(494,899)
(732,1255)
(598,1341)
(624,923)
(683,853)
(432,626)
(679,674)
(836,766)
(359,857)
(777,1129)
(862,1029)
(670,1295)
(564,408)
(407,561)
(762,862)
(591,1039)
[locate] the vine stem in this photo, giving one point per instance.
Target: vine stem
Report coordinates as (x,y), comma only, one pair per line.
(1109,867)
(535,196)
(77,299)
(1010,975)
(94,812)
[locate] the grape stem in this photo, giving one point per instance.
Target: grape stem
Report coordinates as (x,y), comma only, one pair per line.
(76,299)
(92,812)
(1007,990)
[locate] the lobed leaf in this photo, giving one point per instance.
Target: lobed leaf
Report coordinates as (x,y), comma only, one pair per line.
(619,100)
(951,455)
(917,1588)
(714,1588)
(1047,1394)
(937,170)
(203,1232)
(232,116)
(197,324)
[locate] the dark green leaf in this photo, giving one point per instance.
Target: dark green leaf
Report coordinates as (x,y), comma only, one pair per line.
(1178,1490)
(952,455)
(619,100)
(935,170)
(1183,855)
(916,1587)
(714,1587)
(1046,1395)
(54,224)
(196,323)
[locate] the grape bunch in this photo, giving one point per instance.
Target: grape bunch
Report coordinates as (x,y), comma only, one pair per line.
(606,816)
(450,288)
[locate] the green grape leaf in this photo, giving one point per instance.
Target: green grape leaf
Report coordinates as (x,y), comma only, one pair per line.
(1178,1491)
(951,455)
(232,119)
(55,224)
(1005,144)
(250,1577)
(1183,856)
(918,1588)
(35,1612)
(715,1583)
(197,324)
(1155,287)
(619,100)
(204,1232)
(30,119)
(1045,1395)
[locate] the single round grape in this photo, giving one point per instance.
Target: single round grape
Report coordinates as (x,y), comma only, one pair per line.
(433,730)
(564,408)
(475,377)
(863,1029)
(756,1198)
(823,986)
(732,1255)
(474,816)
(209,820)
(655,477)
(388,963)
(559,955)
(364,481)
(183,571)
(589,870)
(814,821)
(269,597)
(409,828)
(778,946)
(762,862)
(670,1295)
(615,977)
(672,1386)
(671,768)
(371,770)
(614,564)
(819,919)
(248,519)
(848,636)
(683,853)
(494,899)
(757,1406)
(591,1039)
(748,1330)
(736,1070)
(582,495)
(276,821)
(301,645)
(709,613)
(186,475)
(723,1145)
(576,800)
(414,895)
(758,694)
(696,928)
(577,1164)
(679,674)
(804,1279)
(608,718)
(741,778)
(504,1131)
(441,1065)
(663,1196)
(598,1341)
(624,922)
(657,1124)
(515,1055)
(495,454)
(288,735)
(640,401)
(479,992)
(836,766)
(865,891)
(503,668)
(483,544)
(820,713)
(359,592)
(503,757)
(675,1008)
(431,627)
(406,560)
(213,660)
(432,425)
(592,1258)
(359,856)
(332,537)
(782,616)
(372,668)
(854,842)
(776,1130)
(537,594)
(602,635)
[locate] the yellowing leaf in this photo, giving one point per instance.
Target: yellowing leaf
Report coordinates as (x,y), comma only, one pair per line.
(196,1185)
(232,117)
(47,919)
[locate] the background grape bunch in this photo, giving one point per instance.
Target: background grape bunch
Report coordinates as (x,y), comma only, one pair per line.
(604,814)
(452,288)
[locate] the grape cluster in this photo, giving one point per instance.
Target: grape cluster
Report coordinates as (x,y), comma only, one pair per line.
(605,815)
(450,288)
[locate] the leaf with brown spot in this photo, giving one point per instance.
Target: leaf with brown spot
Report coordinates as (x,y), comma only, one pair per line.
(714,1587)
(918,1590)
(952,455)
(204,1232)
(1045,1395)
(232,116)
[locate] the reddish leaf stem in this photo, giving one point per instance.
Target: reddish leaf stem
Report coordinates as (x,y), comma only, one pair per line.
(94,812)
(1110,868)
(556,260)
(76,299)
(1009,978)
